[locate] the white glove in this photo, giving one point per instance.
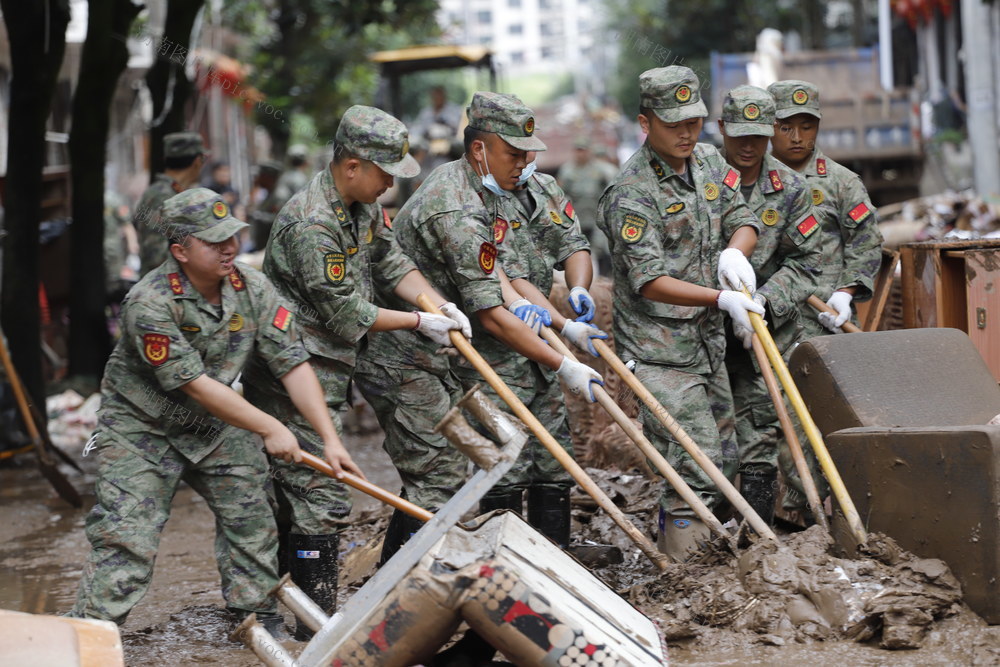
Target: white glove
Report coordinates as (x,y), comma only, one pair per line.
(737,304)
(436,327)
(452,311)
(581,333)
(579,378)
(735,269)
(582,304)
(534,316)
(840,302)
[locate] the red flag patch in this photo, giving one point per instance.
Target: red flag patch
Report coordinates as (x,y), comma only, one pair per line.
(156,347)
(487,257)
(282,319)
(175,283)
(807,226)
(570,213)
(732,179)
(860,212)
(386,220)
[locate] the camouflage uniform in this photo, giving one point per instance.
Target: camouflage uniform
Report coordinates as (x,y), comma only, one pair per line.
(152,435)
(326,258)
(660,224)
(585,183)
(787,261)
(851,243)
(149,225)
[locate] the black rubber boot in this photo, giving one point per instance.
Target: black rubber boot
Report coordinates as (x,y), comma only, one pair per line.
(548,512)
(400,529)
(758,487)
(505,499)
(312,562)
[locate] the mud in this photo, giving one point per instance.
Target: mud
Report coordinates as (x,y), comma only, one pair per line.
(770,605)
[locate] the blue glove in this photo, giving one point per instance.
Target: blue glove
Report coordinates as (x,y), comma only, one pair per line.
(582,304)
(534,316)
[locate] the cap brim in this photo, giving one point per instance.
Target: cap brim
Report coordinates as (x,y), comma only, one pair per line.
(405,168)
(749,129)
(221,231)
(788,112)
(524,143)
(686,112)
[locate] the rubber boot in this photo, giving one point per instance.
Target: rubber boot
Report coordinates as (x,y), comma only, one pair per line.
(681,537)
(400,529)
(758,487)
(548,512)
(504,499)
(312,562)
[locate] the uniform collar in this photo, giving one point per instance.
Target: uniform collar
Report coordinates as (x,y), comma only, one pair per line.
(177,281)
(770,179)
(818,164)
(660,168)
(181,288)
(341,213)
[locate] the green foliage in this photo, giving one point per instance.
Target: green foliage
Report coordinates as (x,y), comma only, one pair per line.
(310,56)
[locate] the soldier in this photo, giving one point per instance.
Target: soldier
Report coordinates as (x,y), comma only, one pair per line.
(448,228)
(184,156)
(675,205)
(537,232)
(296,176)
(584,179)
(848,223)
(188,329)
(262,213)
(330,246)
(787,263)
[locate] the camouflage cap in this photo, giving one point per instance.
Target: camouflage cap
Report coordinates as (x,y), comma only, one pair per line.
(672,93)
(201,213)
(297,151)
(272,167)
(748,110)
(794,97)
(506,116)
(374,135)
(183,144)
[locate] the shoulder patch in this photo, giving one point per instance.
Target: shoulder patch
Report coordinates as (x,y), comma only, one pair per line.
(821,166)
(336,266)
(487,257)
(175,283)
(499,230)
(817,195)
(775,180)
(386,220)
(860,212)
(633,227)
(711,191)
(156,348)
(236,280)
(807,226)
(676,207)
(569,211)
(769,217)
(282,319)
(732,179)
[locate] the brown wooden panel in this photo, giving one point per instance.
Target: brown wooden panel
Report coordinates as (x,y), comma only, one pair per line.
(982,273)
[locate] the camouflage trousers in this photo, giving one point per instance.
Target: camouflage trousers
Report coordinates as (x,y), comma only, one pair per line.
(133,504)
(409,403)
(542,393)
(308,501)
(703,406)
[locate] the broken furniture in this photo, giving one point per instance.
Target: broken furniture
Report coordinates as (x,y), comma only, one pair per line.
(904,414)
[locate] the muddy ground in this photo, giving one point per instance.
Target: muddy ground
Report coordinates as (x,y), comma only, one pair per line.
(720,612)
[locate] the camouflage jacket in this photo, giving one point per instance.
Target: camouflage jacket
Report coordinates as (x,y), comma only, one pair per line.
(172,335)
(326,259)
(852,242)
(150,228)
(585,184)
(446,228)
(788,258)
(658,224)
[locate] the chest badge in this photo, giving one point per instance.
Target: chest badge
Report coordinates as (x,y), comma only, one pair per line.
(235,322)
(711,191)
(675,207)
(769,217)
(369,235)
(817,196)
(335,267)
(556,218)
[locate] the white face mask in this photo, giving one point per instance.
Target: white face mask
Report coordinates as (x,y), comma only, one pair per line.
(489,181)
(527,172)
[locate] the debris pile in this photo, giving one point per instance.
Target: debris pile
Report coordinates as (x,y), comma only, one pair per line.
(71,418)
(950,215)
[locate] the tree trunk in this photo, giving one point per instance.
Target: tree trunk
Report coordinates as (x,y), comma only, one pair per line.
(168,86)
(37,34)
(104,58)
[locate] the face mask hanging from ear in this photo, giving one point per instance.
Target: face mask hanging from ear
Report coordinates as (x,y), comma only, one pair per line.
(527,172)
(489,181)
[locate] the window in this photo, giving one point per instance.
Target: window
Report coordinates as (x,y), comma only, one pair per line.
(549,29)
(515,4)
(516,29)
(484,16)
(548,53)
(517,57)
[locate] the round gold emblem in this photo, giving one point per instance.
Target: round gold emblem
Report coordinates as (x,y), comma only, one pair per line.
(817,197)
(800,96)
(529,126)
(683,94)
(711,191)
(769,217)
(220,210)
(751,112)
